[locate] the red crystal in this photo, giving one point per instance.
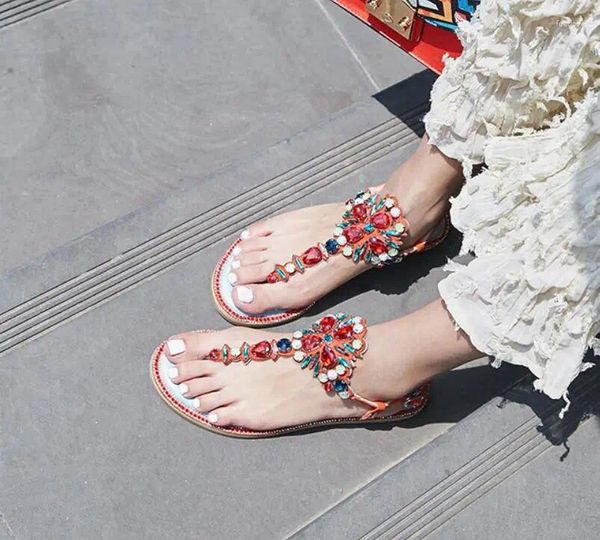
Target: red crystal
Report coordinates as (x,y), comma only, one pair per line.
(381,220)
(344,332)
(360,212)
(377,246)
(214,354)
(326,323)
(261,350)
(353,234)
(328,386)
(312,256)
(272,277)
(310,342)
(327,357)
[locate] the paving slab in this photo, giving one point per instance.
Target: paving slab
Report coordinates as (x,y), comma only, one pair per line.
(111,104)
(90,451)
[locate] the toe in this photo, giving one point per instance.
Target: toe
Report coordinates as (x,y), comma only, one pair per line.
(200,386)
(254,257)
(223,416)
(206,403)
(250,245)
(262,228)
(185,371)
(264,297)
(191,346)
(257,273)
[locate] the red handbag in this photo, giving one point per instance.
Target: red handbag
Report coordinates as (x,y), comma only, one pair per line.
(426,29)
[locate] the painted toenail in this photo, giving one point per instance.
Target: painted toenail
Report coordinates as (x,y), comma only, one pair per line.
(176,346)
(235,264)
(245,234)
(232,278)
(183,388)
(173,372)
(237,250)
(196,403)
(245,294)
(213,417)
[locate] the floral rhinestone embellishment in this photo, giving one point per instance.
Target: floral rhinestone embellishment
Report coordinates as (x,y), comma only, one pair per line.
(373,229)
(329,349)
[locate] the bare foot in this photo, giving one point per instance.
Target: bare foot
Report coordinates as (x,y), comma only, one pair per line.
(266,395)
(274,241)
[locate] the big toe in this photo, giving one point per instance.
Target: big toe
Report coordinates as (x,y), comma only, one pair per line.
(191,346)
(260,298)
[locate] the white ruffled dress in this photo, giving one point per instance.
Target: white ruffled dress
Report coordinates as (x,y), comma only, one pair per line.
(524,99)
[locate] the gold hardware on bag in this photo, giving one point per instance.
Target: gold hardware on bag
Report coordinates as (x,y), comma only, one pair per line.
(397,14)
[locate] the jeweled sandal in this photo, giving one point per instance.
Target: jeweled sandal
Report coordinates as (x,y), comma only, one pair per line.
(372,230)
(329,350)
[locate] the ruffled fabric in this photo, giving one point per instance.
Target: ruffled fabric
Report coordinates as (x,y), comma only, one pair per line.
(524,99)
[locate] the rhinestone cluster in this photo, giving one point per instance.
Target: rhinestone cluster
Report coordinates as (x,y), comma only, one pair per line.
(329,349)
(372,230)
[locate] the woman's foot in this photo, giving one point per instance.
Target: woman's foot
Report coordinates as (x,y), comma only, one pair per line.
(423,186)
(266,395)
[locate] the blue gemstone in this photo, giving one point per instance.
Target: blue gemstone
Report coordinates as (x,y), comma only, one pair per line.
(369,227)
(332,246)
(328,338)
(339,386)
(284,345)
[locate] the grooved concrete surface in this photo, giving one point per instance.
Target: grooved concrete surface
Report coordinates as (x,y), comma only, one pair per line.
(110,104)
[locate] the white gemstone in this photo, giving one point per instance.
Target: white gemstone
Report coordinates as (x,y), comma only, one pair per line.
(235,351)
(349,206)
(297,334)
(384,257)
(358,200)
(393,252)
(323,377)
(332,374)
(290,268)
(344,394)
(374,259)
(296,344)
(298,356)
(395,212)
(358,328)
(400,227)
(347,251)
(357,344)
(342,240)
(337,231)
(356,320)
(389,203)
(340,369)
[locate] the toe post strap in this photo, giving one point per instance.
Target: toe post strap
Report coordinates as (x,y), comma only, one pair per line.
(330,349)
(372,229)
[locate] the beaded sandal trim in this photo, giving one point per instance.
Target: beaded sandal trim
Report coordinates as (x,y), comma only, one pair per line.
(329,349)
(373,229)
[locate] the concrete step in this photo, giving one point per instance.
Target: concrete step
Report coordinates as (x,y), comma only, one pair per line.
(112,104)
(511,469)
(90,451)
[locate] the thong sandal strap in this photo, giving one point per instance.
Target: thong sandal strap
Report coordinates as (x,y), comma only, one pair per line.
(373,230)
(330,349)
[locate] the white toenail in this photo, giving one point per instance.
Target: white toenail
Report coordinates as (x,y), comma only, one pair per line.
(231,277)
(183,388)
(237,250)
(212,417)
(196,403)
(235,264)
(245,234)
(173,372)
(176,346)
(245,294)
